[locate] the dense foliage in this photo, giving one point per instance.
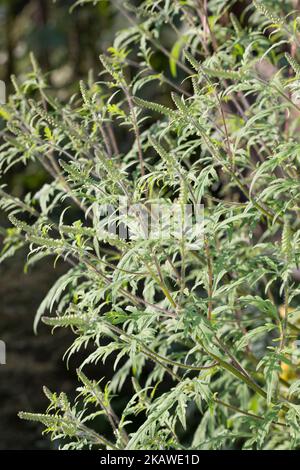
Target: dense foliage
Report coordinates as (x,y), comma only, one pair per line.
(207,335)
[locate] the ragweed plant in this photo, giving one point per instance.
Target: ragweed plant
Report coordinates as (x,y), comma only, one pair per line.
(194,105)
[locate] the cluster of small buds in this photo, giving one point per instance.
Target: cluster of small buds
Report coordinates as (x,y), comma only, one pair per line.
(295,66)
(266,12)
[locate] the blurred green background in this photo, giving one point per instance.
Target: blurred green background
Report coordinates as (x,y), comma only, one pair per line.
(66,45)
